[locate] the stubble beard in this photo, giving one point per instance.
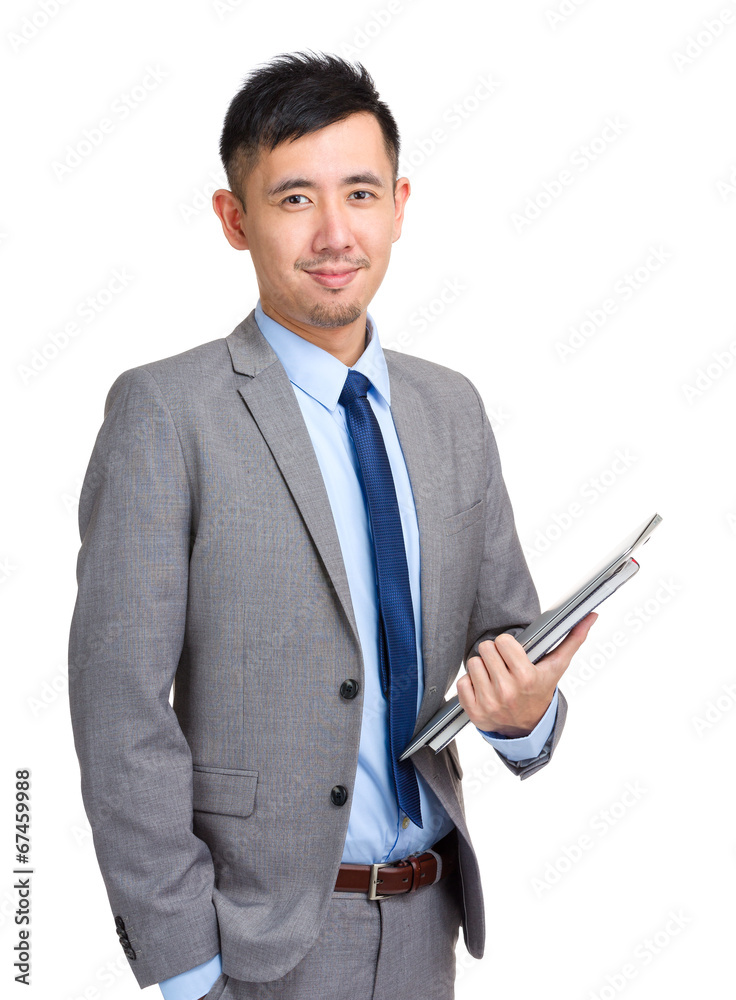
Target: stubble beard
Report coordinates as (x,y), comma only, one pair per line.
(337,315)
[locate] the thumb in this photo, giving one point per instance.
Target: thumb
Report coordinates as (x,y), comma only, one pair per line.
(572,642)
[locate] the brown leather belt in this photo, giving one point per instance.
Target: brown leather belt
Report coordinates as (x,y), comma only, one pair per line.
(407,875)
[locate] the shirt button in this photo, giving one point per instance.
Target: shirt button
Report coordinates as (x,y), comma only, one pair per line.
(405,822)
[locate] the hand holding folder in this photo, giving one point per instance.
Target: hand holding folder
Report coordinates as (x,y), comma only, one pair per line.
(546,631)
(504,693)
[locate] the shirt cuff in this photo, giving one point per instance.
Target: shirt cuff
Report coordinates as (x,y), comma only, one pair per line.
(193,984)
(525,747)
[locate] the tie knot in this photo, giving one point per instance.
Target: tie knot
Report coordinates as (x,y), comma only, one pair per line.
(356,385)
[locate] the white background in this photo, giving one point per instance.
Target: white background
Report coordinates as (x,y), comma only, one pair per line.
(654,383)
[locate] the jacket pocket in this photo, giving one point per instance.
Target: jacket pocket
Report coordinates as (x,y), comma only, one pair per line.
(463,518)
(227,791)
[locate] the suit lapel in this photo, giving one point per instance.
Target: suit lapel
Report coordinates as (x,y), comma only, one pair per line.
(270,397)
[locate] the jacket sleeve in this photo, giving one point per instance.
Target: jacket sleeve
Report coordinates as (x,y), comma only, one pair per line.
(506,598)
(125,641)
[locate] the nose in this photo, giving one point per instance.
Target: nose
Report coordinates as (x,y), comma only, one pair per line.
(334,232)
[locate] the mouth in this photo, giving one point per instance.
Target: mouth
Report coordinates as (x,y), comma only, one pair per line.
(332,278)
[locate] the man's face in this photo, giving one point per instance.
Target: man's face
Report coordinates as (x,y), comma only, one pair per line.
(320,220)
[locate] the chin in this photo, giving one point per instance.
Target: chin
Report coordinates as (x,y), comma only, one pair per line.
(333,322)
(334,314)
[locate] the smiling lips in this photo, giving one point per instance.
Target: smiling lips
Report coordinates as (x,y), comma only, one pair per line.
(332,278)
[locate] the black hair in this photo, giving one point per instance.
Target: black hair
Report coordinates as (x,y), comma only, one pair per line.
(292,95)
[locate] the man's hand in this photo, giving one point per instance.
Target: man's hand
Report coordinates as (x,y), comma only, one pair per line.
(504,692)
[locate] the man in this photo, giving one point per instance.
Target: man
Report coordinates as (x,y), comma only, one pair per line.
(307,536)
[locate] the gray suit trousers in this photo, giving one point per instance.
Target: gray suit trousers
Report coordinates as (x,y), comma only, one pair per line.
(401,948)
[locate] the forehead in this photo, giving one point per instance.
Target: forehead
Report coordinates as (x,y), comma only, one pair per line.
(352,146)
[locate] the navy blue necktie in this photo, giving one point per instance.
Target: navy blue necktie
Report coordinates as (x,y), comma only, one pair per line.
(397,636)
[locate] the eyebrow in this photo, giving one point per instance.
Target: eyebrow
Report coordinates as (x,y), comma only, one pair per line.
(367,177)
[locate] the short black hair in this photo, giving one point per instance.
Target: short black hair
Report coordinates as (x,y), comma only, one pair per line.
(294,94)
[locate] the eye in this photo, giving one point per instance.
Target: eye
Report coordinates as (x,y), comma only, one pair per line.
(364,195)
(289,200)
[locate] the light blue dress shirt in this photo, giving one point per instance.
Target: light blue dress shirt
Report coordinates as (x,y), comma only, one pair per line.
(376,827)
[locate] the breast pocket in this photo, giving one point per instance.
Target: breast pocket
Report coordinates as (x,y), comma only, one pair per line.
(464,518)
(226,791)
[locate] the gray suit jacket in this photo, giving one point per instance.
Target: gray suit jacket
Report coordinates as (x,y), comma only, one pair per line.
(210,559)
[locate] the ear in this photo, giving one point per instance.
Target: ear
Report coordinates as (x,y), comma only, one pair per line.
(229,210)
(401,193)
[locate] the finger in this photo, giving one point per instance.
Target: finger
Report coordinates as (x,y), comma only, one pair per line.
(560,657)
(513,654)
(492,662)
(466,692)
(576,636)
(482,689)
(478,677)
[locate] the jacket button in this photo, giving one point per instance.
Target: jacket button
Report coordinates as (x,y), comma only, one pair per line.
(339,795)
(349,689)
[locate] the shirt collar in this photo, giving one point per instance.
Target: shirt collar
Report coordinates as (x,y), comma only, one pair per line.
(316,371)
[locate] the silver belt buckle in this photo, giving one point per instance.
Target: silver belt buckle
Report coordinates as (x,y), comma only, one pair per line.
(374,880)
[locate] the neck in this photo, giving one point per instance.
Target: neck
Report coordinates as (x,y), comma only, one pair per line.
(346,343)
